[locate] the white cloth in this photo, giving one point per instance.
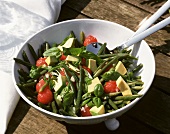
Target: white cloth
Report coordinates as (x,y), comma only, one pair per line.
(19,19)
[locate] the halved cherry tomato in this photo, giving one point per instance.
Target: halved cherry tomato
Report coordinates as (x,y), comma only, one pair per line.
(88,69)
(62,72)
(85,111)
(39,85)
(45,97)
(63,57)
(41,62)
(89,39)
(110,87)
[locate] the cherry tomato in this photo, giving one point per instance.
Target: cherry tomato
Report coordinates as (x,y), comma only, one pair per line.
(63,57)
(62,72)
(110,87)
(39,85)
(88,69)
(89,39)
(85,111)
(108,68)
(41,62)
(83,61)
(45,97)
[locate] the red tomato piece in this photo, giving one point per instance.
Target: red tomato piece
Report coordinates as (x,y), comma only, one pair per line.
(110,87)
(88,69)
(83,61)
(39,85)
(89,39)
(46,96)
(62,72)
(63,57)
(41,62)
(85,111)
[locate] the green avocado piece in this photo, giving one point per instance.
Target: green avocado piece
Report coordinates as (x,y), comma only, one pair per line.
(60,83)
(72,58)
(94,82)
(92,65)
(68,44)
(51,60)
(97,110)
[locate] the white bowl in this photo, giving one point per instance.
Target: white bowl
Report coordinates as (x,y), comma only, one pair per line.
(104,31)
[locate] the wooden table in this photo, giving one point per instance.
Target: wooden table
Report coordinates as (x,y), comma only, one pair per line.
(152,114)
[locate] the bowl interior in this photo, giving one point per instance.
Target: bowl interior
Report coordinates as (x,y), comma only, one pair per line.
(104,31)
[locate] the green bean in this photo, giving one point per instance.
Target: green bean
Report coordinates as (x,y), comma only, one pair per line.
(134,92)
(139,67)
(34,100)
(128,97)
(33,53)
(46,107)
(107,55)
(114,94)
(63,112)
(118,102)
(72,34)
(80,90)
(54,108)
(86,96)
(82,37)
(71,84)
(42,48)
(101,65)
(85,102)
(40,54)
(103,47)
(43,72)
(21,79)
(121,105)
(27,64)
(23,73)
(31,80)
(26,91)
(112,104)
(29,84)
(25,57)
(105,67)
(137,87)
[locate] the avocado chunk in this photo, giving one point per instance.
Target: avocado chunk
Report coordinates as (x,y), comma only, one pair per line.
(92,65)
(68,44)
(94,82)
(60,83)
(123,86)
(75,69)
(51,60)
(72,58)
(97,110)
(120,68)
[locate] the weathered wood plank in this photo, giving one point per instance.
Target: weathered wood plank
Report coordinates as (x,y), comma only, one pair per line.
(148,5)
(36,123)
(124,14)
(127,125)
(153,109)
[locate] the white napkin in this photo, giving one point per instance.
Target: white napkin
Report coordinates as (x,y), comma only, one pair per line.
(19,19)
